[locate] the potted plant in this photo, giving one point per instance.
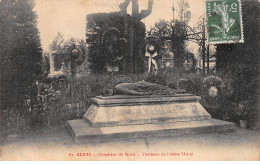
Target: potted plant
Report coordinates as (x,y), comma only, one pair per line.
(243,113)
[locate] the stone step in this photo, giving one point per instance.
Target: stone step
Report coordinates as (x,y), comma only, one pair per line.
(82,132)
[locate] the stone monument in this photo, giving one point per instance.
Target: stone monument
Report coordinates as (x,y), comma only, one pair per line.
(120,117)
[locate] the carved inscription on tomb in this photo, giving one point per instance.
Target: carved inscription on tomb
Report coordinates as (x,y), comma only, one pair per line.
(152,111)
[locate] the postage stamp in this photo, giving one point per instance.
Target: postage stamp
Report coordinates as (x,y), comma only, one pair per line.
(129,80)
(224,21)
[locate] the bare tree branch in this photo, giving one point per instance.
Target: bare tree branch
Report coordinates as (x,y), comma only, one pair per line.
(145,13)
(135,8)
(123,7)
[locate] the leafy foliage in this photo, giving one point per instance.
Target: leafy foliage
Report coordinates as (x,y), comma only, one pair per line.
(239,62)
(21,64)
(176,32)
(184,13)
(97,25)
(72,51)
(58,43)
(20,51)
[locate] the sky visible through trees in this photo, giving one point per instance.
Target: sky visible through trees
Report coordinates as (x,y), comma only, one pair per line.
(69,16)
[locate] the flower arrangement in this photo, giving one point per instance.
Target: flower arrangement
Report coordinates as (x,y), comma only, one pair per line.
(212,92)
(243,110)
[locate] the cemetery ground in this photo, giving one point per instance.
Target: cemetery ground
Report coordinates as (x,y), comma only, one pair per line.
(56,143)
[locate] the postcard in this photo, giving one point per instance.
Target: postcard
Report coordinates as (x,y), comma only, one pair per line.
(129,80)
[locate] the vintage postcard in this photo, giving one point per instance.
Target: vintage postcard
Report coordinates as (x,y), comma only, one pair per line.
(129,80)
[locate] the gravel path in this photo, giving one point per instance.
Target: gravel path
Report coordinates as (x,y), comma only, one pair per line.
(57,144)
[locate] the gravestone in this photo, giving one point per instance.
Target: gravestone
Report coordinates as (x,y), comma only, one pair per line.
(55,64)
(121,117)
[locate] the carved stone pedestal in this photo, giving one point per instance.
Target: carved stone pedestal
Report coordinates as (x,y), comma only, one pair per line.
(133,117)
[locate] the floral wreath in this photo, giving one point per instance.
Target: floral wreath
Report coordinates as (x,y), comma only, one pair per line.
(76,52)
(118,45)
(212,91)
(186,84)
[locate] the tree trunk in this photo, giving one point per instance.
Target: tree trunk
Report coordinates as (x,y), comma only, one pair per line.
(133,29)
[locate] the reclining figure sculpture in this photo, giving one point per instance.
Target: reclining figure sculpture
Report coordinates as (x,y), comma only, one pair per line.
(145,88)
(139,88)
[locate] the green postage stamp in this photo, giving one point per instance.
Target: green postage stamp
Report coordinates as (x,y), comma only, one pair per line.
(224,21)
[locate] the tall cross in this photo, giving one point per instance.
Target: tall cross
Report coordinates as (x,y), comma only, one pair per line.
(173,9)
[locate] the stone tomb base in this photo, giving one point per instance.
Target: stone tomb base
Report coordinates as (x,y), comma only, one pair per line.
(133,117)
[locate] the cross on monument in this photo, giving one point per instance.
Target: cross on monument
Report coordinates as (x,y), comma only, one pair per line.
(173,9)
